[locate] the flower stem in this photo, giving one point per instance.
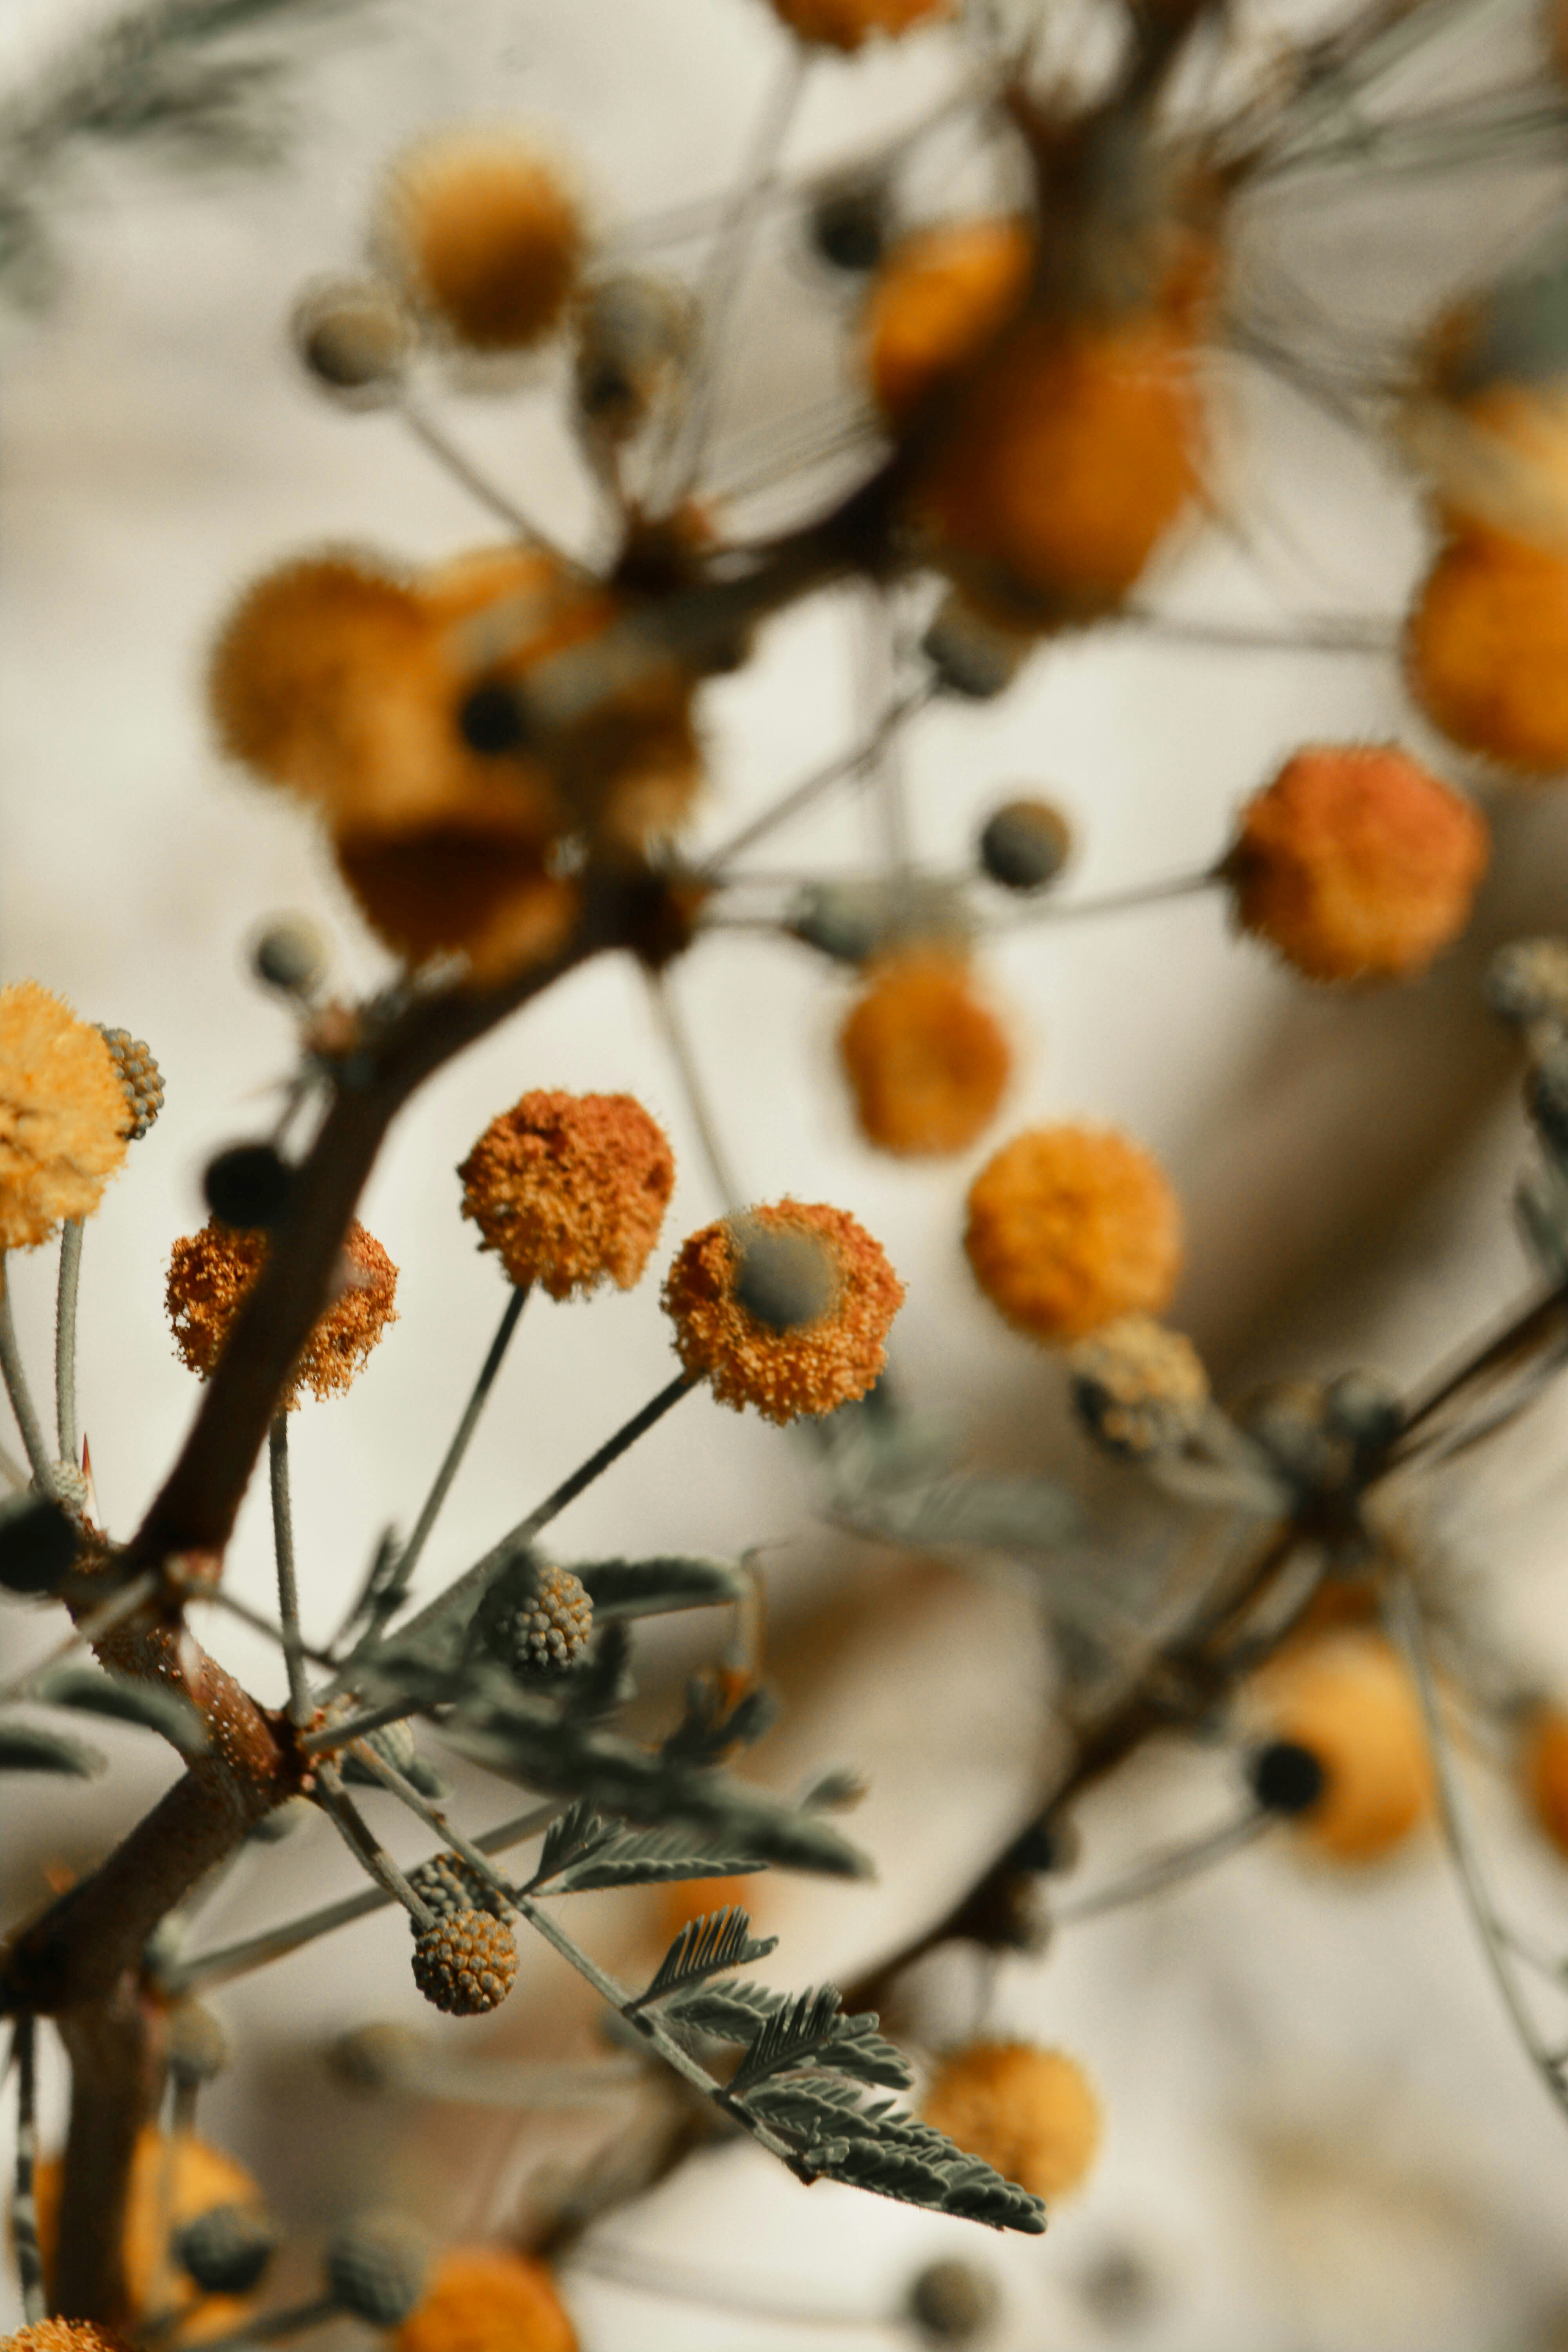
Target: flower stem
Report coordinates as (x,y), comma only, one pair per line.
(366,1847)
(19,1392)
(465,1430)
(470,1587)
(300,1708)
(65,1341)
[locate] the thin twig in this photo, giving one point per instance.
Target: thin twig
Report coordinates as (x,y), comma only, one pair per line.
(409,1557)
(800,796)
(1116,902)
(366,1847)
(1165,1869)
(300,1708)
(24,2201)
(678,1043)
(65,1341)
(1403,1610)
(469,1587)
(679,458)
(231,1960)
(435,439)
(16,1388)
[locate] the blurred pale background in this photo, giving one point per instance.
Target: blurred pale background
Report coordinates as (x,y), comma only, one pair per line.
(1322,2136)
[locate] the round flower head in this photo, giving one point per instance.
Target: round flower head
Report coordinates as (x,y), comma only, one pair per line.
(1347,1698)
(62,2336)
(938,299)
(484,236)
(569,1191)
(810,1367)
(1027,2113)
(1485,650)
(1070,1228)
(64,1117)
(466,1963)
(481,2299)
(927,1059)
(1544,1771)
(200,2179)
(847,25)
(1356,863)
(211,1273)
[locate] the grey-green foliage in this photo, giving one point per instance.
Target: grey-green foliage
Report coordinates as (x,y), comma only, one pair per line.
(718,1941)
(86,1691)
(24,1748)
(583,1850)
(649,1587)
(190,81)
(804,2076)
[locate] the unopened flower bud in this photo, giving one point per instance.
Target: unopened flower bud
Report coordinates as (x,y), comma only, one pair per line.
(290,955)
(1025,844)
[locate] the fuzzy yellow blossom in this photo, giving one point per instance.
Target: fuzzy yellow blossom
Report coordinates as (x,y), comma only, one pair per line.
(1070,1228)
(481,2299)
(939,299)
(569,1191)
(201,2178)
(1485,650)
(63,2336)
(927,1060)
(1030,2113)
(1357,863)
(211,1273)
(64,1117)
(811,1366)
(1349,1698)
(484,236)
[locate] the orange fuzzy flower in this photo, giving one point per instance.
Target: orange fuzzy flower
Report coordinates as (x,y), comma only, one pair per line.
(809,1368)
(569,1191)
(212,1272)
(482,2300)
(926,1058)
(63,2336)
(1544,1771)
(1348,1698)
(484,236)
(938,299)
(64,1117)
(847,25)
(366,693)
(202,2176)
(1029,2114)
(1071,1226)
(1485,650)
(1356,863)
(1067,459)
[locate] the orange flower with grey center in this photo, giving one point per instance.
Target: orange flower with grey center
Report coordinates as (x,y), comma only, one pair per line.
(814,1333)
(212,1272)
(569,1191)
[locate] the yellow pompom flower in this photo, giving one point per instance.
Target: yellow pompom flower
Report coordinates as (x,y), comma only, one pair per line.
(1070,1228)
(481,2299)
(927,1060)
(484,236)
(202,2176)
(1350,1700)
(1030,2113)
(64,1117)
